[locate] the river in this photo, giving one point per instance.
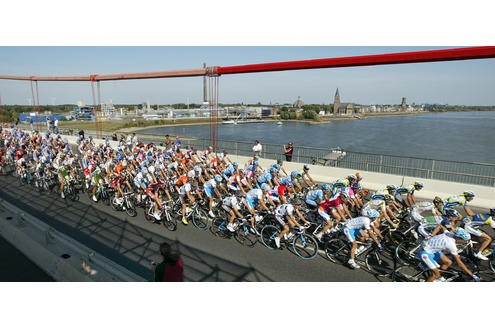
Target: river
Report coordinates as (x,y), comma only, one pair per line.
(455,136)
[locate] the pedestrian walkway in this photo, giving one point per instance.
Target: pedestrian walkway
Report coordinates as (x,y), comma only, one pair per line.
(18,268)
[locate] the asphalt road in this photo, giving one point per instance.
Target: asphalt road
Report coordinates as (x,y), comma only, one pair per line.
(133,243)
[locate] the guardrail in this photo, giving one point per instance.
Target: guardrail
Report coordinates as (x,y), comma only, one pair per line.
(463,172)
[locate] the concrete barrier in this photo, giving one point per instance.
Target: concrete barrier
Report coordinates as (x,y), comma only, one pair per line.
(485,196)
(61,257)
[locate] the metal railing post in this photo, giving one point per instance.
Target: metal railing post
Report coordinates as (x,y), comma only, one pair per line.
(432,168)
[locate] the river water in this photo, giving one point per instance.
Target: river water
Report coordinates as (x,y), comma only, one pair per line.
(455,136)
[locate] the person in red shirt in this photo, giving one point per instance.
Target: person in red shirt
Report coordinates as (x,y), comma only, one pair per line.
(171,269)
(337,208)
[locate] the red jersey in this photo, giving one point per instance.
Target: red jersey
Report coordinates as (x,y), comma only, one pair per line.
(326,205)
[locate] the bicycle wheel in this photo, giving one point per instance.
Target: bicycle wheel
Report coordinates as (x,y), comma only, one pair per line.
(268,234)
(404,255)
(218,226)
(377,264)
(246,237)
(409,273)
(337,250)
(169,222)
(114,203)
(130,209)
(305,246)
(200,219)
(147,213)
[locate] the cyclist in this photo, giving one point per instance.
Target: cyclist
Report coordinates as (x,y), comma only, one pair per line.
(231,205)
(405,195)
(306,178)
(63,175)
(315,197)
(284,214)
(434,249)
(186,191)
(380,206)
(473,224)
(461,200)
(210,187)
(337,208)
(97,179)
(256,196)
(361,227)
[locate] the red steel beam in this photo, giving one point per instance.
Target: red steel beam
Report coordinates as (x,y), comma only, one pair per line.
(382,59)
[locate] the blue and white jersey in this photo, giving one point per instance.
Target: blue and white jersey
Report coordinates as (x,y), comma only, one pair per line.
(285,209)
(251,168)
(210,183)
(314,195)
(228,172)
(360,222)
(478,220)
(186,187)
(286,181)
(230,201)
(441,243)
(254,194)
(264,178)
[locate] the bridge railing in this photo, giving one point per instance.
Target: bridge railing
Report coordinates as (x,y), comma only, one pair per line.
(462,172)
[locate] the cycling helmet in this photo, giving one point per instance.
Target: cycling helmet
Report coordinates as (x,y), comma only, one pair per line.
(344,193)
(124,163)
(190,174)
(294,174)
(276,166)
(418,184)
(351,178)
(325,187)
(492,211)
(272,170)
(461,233)
(218,178)
(468,194)
(235,164)
(197,168)
(373,214)
(451,212)
(437,199)
(306,167)
(391,187)
(144,170)
(265,186)
(255,163)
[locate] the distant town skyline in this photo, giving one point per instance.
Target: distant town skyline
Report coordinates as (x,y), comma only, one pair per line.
(467,82)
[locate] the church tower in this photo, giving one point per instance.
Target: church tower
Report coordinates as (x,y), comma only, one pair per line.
(336,102)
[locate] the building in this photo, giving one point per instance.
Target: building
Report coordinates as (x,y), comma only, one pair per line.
(336,102)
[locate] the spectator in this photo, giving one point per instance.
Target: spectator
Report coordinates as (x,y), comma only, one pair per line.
(55,126)
(128,142)
(17,121)
(114,137)
(168,142)
(81,135)
(134,139)
(257,148)
(171,269)
(178,142)
(31,123)
(288,152)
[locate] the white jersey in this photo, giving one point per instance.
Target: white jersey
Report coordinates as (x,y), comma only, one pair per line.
(360,222)
(210,183)
(285,209)
(255,194)
(441,243)
(185,188)
(230,201)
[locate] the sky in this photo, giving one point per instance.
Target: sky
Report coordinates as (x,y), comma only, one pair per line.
(459,82)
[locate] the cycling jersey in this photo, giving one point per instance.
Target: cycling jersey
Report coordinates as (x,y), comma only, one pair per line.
(185,188)
(472,224)
(354,226)
(405,190)
(328,205)
(440,243)
(376,204)
(284,210)
(230,201)
(314,195)
(455,201)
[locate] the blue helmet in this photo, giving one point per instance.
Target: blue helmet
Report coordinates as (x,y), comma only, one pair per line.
(235,164)
(325,186)
(197,168)
(373,214)
(255,163)
(295,174)
(276,166)
(391,187)
(218,178)
(265,186)
(451,212)
(272,170)
(144,170)
(468,194)
(461,233)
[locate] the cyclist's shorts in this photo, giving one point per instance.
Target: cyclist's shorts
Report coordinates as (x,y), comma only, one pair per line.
(431,260)
(324,215)
(209,191)
(351,233)
(472,230)
(281,219)
(275,199)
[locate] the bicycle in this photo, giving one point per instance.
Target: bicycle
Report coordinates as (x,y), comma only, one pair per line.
(127,204)
(242,234)
(168,221)
(303,244)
